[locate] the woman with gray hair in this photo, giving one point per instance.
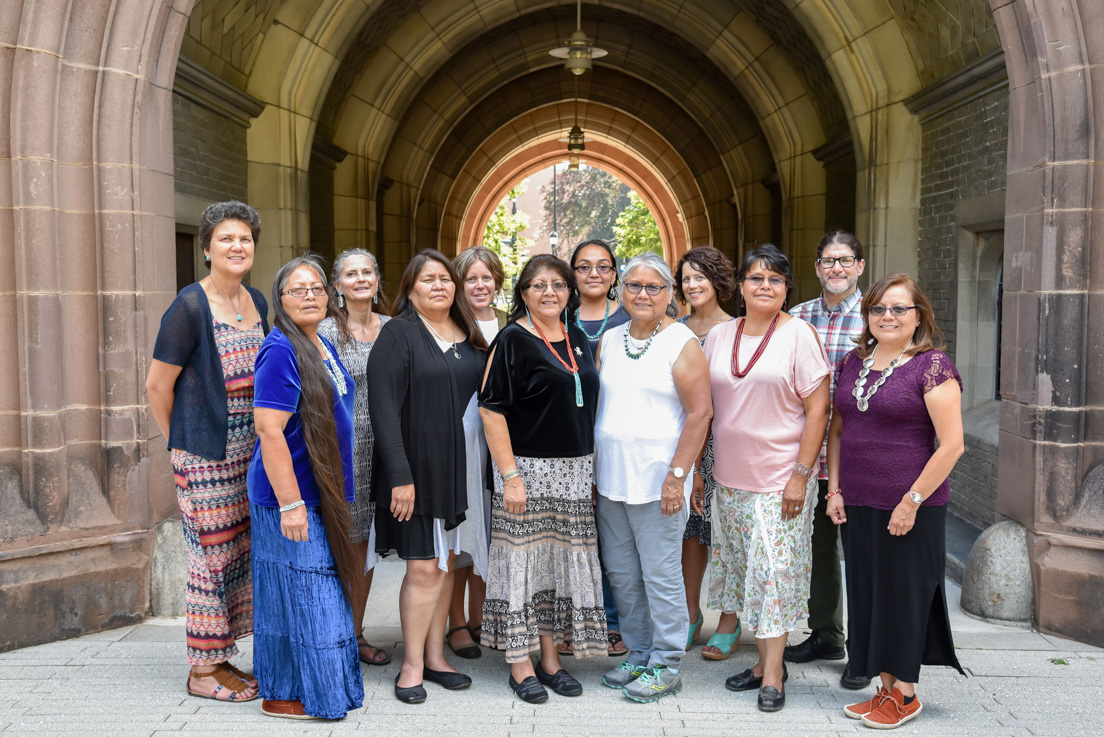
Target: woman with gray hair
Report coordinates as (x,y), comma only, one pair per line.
(352,325)
(653,415)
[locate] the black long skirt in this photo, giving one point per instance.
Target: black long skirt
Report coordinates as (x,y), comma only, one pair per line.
(896,601)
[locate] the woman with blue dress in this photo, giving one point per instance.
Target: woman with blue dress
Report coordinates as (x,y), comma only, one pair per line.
(300,485)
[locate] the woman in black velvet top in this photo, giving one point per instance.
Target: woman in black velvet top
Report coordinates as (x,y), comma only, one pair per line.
(425,368)
(538,403)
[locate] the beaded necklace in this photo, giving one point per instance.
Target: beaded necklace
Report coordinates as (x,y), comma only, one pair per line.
(335,374)
(601,328)
(573,368)
(636,356)
(758,351)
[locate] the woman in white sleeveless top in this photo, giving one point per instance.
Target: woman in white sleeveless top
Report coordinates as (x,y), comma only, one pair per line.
(653,414)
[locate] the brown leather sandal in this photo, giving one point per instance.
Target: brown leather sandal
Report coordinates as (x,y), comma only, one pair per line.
(247,677)
(226,680)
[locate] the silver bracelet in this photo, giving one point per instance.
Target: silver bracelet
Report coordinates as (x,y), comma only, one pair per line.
(802,469)
(510,475)
(293,505)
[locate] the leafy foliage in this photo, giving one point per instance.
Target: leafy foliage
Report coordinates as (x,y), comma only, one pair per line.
(501,234)
(588,202)
(637,231)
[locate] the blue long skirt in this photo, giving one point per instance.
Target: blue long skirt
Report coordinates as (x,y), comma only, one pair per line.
(304,644)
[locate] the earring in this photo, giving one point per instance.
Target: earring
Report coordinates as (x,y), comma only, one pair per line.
(340,300)
(207,260)
(375,297)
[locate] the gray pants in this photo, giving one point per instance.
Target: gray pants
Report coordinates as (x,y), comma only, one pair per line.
(642,553)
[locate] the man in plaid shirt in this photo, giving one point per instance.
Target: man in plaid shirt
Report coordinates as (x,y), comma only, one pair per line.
(836,314)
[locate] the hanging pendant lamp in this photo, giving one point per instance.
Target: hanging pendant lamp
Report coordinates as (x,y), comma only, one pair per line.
(577,51)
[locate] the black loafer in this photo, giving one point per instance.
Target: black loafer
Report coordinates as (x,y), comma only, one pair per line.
(746,680)
(447,679)
(561,682)
(814,648)
(529,690)
(771,699)
(853,683)
(409,694)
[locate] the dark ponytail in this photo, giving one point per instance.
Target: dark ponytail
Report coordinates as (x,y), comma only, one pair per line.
(318,424)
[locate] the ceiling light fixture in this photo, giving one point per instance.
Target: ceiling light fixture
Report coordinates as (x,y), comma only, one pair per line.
(577,50)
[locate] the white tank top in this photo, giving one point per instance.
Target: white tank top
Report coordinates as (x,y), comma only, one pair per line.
(640,416)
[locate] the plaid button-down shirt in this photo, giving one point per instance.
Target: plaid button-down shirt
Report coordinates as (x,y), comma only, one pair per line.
(836,327)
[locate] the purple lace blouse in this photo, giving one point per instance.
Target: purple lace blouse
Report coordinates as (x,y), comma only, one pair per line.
(884,450)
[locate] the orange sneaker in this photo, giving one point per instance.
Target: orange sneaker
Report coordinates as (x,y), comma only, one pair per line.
(858,711)
(892,712)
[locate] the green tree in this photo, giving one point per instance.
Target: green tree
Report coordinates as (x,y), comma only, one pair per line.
(501,234)
(636,230)
(588,202)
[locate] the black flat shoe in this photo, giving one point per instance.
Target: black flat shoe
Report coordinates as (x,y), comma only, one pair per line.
(814,648)
(561,682)
(746,680)
(409,694)
(529,690)
(447,679)
(853,683)
(770,699)
(470,652)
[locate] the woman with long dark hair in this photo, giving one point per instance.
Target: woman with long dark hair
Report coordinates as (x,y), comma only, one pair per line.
(425,370)
(300,485)
(200,389)
(352,326)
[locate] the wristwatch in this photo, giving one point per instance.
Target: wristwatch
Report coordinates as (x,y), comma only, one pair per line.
(677,471)
(916,497)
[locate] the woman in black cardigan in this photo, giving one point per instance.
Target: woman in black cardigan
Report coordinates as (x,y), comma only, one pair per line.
(200,389)
(424,369)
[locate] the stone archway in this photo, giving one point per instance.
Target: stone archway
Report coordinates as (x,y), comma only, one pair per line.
(1051,472)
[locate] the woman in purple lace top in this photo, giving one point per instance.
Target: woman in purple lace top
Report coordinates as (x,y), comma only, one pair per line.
(895,400)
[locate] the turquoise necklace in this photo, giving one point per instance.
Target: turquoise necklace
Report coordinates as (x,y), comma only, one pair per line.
(636,356)
(601,328)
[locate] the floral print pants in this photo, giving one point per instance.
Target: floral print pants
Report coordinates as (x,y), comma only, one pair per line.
(760,563)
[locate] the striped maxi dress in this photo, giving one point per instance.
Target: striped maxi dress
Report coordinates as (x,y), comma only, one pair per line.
(214,509)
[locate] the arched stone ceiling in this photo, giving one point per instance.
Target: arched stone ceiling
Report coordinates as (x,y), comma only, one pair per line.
(740,51)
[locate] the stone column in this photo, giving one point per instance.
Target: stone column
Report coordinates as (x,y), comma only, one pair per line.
(86,243)
(1051,471)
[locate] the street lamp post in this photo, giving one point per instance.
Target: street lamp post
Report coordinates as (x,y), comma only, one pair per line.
(554,236)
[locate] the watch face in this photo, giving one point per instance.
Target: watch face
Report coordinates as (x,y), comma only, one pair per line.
(678,472)
(916,497)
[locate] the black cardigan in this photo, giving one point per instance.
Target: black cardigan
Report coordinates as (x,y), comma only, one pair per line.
(418,428)
(199,420)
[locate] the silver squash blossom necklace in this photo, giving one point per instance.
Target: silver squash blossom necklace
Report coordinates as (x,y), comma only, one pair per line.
(857,392)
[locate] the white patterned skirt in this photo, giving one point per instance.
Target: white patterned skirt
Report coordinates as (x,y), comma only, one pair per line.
(543,573)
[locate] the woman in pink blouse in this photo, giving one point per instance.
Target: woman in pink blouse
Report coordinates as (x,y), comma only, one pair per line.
(768,374)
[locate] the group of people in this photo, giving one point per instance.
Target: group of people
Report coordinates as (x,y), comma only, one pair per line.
(569,470)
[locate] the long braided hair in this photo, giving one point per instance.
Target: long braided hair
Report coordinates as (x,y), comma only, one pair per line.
(316,414)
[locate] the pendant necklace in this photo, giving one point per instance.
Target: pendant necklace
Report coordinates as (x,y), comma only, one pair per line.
(335,373)
(573,368)
(647,345)
(601,328)
(455,351)
(235,309)
(758,351)
(864,401)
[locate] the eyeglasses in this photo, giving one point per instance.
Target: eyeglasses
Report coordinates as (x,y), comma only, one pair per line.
(635,287)
(540,286)
(828,262)
(897,310)
(757,280)
(602,268)
(301,292)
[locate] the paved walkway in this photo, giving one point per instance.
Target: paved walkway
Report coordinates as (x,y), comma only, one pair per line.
(130,681)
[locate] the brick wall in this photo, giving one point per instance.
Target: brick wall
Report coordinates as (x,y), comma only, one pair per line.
(208,153)
(974,483)
(964,154)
